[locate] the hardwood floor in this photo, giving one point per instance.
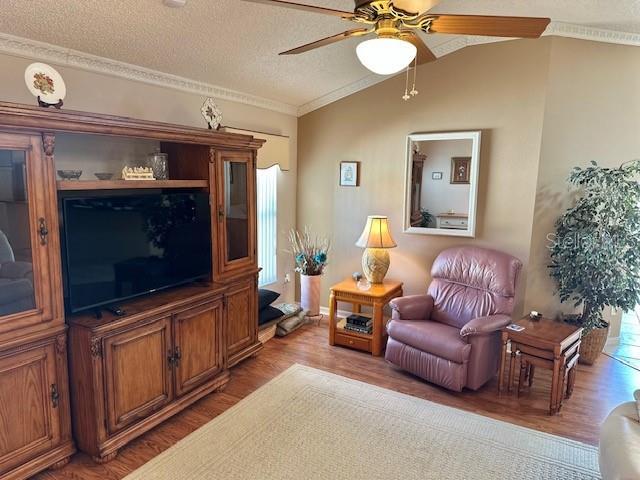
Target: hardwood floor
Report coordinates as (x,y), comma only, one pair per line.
(598,389)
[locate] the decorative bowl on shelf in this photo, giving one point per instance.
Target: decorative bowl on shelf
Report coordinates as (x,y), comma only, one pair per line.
(70,174)
(104,176)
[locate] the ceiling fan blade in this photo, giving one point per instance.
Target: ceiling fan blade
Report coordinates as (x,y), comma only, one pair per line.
(525,27)
(306,8)
(415,6)
(357,32)
(424,54)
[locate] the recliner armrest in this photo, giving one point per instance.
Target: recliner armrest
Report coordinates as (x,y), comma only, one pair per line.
(484,325)
(412,307)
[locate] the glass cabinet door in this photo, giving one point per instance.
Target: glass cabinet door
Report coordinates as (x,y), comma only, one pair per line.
(25,269)
(16,256)
(236,210)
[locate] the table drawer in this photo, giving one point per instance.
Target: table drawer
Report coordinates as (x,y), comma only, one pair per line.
(358,343)
(452,223)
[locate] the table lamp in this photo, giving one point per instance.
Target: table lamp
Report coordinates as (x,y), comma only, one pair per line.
(376,239)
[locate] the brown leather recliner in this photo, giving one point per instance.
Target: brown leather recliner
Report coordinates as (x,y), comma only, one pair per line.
(451,336)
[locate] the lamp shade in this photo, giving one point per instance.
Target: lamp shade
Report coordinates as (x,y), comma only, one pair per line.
(376,233)
(386,56)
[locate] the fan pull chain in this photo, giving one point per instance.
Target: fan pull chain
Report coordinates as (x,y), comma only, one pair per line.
(406,95)
(413,91)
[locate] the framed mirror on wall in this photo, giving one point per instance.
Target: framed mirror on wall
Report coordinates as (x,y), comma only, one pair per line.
(441,183)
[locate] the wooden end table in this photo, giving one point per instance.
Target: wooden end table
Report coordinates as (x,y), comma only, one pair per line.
(377,297)
(544,343)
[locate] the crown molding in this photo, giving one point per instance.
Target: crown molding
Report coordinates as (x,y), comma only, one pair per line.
(23,47)
(581,32)
(558,29)
(32,49)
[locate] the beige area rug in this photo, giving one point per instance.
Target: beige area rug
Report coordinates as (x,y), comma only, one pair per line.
(310,424)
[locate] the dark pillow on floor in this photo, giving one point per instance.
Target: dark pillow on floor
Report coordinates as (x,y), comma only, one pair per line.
(269,313)
(266,298)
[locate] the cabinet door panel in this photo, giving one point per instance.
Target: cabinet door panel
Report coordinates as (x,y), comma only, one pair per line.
(241,317)
(197,339)
(137,373)
(29,253)
(235,174)
(29,417)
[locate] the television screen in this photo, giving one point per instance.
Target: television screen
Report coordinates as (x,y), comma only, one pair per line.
(124,245)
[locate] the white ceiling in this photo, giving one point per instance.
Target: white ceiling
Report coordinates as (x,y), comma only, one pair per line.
(234,44)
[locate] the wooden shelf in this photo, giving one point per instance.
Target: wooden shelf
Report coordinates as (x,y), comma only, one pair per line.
(129,184)
(340,329)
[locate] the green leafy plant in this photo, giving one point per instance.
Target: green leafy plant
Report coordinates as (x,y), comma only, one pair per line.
(425,217)
(309,252)
(595,253)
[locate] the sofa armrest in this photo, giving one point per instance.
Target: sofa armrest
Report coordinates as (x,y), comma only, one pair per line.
(484,325)
(16,270)
(412,307)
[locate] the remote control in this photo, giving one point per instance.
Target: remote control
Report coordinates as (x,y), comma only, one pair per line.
(515,327)
(117,311)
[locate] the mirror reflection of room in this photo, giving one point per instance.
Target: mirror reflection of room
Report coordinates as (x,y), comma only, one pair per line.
(16,268)
(440,183)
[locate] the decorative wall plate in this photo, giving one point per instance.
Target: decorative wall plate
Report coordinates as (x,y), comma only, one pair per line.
(45,83)
(212,114)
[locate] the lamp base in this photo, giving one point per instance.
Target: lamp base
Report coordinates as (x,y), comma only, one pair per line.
(375,263)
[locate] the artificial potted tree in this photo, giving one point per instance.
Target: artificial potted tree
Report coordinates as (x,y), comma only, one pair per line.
(310,255)
(595,255)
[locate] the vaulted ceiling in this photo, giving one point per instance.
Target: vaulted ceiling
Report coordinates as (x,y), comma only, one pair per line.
(235,45)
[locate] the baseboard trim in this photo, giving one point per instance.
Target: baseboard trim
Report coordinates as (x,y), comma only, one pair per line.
(612,342)
(339,313)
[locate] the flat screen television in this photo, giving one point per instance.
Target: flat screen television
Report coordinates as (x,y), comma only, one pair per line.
(122,245)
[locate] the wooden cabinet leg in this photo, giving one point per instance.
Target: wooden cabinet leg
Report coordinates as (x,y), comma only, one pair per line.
(555,381)
(571,381)
(376,347)
(105,458)
(61,463)
(503,365)
(512,369)
(333,306)
(524,365)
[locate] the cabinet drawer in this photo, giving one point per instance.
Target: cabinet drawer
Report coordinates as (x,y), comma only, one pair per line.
(358,343)
(454,222)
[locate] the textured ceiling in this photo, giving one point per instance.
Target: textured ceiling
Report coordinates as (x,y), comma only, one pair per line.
(234,44)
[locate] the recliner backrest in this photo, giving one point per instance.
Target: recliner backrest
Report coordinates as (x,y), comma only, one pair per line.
(6,252)
(471,282)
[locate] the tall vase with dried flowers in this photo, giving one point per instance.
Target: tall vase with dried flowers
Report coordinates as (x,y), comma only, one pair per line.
(310,256)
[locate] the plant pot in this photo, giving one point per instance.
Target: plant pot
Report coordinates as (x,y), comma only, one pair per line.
(310,294)
(592,345)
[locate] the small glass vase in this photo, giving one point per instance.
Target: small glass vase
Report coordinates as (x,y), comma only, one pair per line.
(159,164)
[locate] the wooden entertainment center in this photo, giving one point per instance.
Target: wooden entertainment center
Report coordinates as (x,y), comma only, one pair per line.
(98,383)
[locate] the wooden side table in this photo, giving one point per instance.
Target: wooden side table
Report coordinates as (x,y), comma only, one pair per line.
(377,297)
(543,343)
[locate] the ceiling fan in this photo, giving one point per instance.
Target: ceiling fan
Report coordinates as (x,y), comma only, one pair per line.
(396,23)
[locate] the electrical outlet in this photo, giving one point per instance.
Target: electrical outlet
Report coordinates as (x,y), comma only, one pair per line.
(287,278)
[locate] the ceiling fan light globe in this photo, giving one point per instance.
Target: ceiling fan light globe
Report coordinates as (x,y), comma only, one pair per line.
(386,56)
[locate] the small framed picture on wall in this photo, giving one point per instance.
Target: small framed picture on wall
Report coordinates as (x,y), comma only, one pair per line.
(436,175)
(460,169)
(349,174)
